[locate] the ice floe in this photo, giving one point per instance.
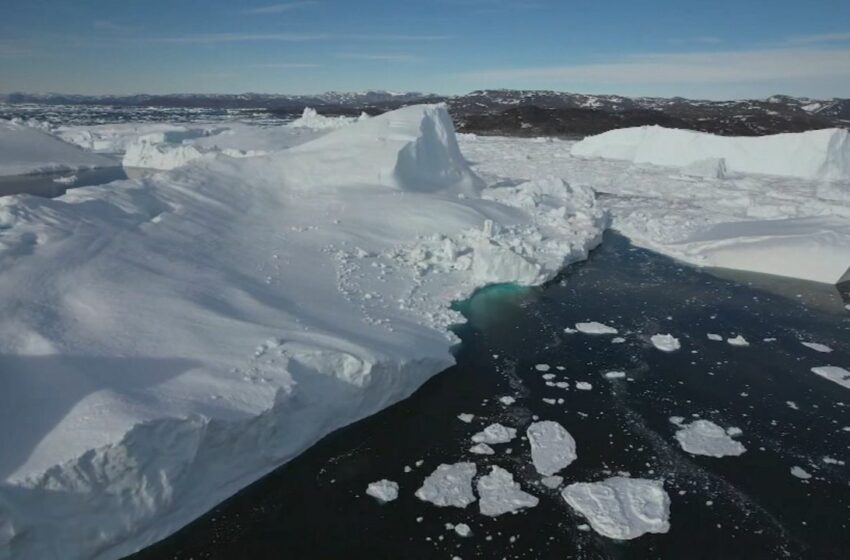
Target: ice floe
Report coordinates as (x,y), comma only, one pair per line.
(499,494)
(552,447)
(665,342)
(835,374)
(595,328)
(449,486)
(817,347)
(495,433)
(383,490)
(707,438)
(621,508)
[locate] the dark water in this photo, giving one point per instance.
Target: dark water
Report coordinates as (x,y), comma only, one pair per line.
(45,184)
(734,507)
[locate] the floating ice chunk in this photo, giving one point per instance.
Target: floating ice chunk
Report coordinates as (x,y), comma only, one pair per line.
(707,438)
(833,461)
(466,417)
(595,328)
(677,420)
(383,490)
(507,401)
(481,449)
(618,340)
(665,342)
(817,347)
(542,367)
(738,341)
(621,508)
(500,494)
(584,386)
(449,485)
(715,337)
(552,482)
(552,447)
(463,530)
(800,473)
(568,330)
(615,375)
(835,374)
(495,433)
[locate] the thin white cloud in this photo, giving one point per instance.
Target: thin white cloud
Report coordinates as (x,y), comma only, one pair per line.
(106,25)
(723,67)
(286,65)
(380,57)
(820,38)
(213,38)
(279,8)
(400,38)
(700,40)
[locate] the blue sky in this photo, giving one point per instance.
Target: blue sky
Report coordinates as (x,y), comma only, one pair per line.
(716,49)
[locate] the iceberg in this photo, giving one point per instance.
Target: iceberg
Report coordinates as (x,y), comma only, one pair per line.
(817,154)
(167,341)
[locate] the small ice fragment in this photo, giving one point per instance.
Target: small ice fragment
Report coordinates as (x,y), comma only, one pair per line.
(552,447)
(595,328)
(621,508)
(583,386)
(615,375)
(463,530)
(383,490)
(618,340)
(542,367)
(481,449)
(552,482)
(792,404)
(583,527)
(738,341)
(465,417)
(549,401)
(817,347)
(495,433)
(665,342)
(507,401)
(500,494)
(549,376)
(832,461)
(677,420)
(715,337)
(835,374)
(568,330)
(800,473)
(449,485)
(734,432)
(707,438)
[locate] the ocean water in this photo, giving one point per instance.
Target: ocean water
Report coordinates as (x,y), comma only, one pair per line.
(749,506)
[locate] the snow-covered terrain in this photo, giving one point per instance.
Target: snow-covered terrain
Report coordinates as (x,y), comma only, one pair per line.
(182,334)
(25,150)
(772,224)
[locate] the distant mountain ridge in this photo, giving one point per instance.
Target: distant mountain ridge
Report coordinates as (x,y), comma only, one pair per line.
(518,112)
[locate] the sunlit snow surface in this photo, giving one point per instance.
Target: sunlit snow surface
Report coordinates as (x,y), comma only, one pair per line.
(190,275)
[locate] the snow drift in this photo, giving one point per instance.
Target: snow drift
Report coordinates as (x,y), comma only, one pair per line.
(181,335)
(818,154)
(26,150)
